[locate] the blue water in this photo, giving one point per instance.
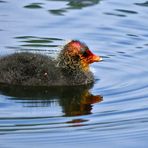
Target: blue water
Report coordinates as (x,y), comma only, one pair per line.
(65,117)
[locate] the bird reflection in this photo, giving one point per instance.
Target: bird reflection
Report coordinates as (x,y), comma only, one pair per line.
(73,100)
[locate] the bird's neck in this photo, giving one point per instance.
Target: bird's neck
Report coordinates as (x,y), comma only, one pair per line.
(72,64)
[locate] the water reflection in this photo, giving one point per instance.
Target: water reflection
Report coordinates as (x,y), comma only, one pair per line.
(126,11)
(34,5)
(143,4)
(45,45)
(73,100)
(72,4)
(114,14)
(2,1)
(36,41)
(121,12)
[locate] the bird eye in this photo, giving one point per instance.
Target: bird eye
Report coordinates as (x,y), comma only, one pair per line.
(84,51)
(85,54)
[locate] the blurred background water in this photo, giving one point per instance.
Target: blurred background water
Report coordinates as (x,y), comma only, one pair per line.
(114,112)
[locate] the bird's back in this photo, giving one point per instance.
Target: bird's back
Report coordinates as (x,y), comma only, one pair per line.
(32,69)
(28,69)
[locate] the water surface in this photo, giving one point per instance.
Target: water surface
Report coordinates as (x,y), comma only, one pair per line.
(111,113)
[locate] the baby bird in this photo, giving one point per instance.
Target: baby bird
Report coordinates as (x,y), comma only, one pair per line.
(70,68)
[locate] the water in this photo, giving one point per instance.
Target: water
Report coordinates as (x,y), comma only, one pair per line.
(78,117)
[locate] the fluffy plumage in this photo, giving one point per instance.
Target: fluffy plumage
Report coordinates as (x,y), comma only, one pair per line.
(70,68)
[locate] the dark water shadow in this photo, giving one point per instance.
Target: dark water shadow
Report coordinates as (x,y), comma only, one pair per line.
(145,4)
(73,100)
(73,4)
(2,1)
(121,12)
(34,6)
(36,44)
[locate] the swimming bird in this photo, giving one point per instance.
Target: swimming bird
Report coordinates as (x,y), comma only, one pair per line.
(71,67)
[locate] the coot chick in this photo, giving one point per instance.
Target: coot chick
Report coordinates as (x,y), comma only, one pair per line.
(32,69)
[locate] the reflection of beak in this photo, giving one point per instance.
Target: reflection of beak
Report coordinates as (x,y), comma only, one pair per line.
(91,99)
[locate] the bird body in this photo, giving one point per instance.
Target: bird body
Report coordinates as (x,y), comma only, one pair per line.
(33,69)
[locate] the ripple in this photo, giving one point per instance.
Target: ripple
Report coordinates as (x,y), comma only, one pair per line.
(126,11)
(34,6)
(2,1)
(145,4)
(79,116)
(114,14)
